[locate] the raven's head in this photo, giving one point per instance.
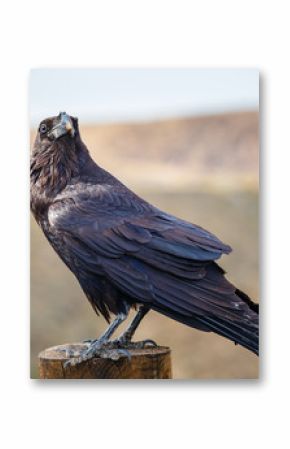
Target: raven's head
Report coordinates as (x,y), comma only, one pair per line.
(54,128)
(58,153)
(57,135)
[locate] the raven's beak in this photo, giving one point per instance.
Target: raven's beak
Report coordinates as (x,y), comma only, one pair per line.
(65,126)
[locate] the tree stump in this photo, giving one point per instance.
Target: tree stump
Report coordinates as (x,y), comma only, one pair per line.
(149,363)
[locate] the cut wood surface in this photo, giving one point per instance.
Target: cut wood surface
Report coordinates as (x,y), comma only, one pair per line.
(149,363)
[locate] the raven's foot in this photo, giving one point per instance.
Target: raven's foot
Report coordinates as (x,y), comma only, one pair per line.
(96,348)
(127,344)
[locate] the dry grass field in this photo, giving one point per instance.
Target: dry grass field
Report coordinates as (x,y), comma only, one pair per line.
(204,170)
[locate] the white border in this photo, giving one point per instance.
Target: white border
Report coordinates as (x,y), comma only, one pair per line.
(133,33)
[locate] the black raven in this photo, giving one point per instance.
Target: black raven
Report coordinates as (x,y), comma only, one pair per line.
(126,252)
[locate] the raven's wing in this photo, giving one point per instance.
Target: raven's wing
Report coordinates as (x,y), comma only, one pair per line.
(152,257)
(113,224)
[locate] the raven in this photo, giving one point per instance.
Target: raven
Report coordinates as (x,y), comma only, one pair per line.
(127,253)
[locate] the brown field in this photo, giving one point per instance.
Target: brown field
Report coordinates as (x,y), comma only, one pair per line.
(204,170)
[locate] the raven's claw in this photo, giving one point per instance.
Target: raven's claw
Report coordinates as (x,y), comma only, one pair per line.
(96,348)
(127,344)
(106,349)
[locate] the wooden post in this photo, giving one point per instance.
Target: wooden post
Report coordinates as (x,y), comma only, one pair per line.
(149,363)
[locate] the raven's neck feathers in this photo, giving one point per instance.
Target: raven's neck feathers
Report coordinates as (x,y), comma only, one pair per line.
(53,167)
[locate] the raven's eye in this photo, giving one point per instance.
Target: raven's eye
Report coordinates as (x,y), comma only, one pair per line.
(43,128)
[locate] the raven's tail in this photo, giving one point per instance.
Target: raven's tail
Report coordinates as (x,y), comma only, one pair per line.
(244,331)
(241,333)
(253,306)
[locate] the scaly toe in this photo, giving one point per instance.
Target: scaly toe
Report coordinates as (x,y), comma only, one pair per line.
(125,344)
(149,343)
(106,350)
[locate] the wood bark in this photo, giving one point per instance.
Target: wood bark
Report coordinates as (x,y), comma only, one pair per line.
(149,363)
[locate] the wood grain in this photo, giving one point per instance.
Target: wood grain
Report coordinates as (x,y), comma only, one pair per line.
(149,363)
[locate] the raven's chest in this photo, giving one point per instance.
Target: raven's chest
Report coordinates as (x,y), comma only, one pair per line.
(57,242)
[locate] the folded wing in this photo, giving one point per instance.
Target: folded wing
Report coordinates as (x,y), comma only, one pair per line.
(153,258)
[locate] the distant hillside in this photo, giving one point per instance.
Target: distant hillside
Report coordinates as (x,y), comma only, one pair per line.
(219,151)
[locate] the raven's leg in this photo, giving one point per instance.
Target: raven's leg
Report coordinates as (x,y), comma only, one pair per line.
(131,329)
(113,326)
(101,346)
(124,340)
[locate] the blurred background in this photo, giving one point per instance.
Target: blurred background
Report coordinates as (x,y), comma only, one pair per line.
(187,140)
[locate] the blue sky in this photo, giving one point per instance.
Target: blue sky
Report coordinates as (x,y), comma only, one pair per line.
(118,95)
